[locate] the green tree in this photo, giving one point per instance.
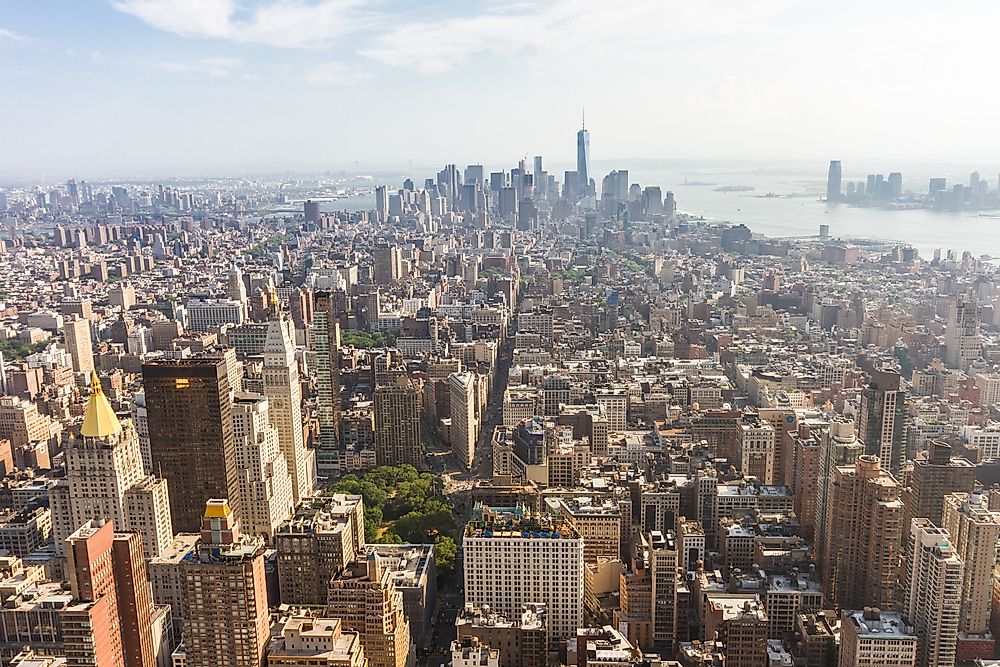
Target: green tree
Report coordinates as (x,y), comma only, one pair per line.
(445,552)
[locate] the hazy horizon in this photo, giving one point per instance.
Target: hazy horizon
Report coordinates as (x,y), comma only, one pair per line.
(220,86)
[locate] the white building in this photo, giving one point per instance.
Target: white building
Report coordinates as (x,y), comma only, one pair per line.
(932,594)
(512,560)
(102,466)
(210,314)
(874,638)
(264,483)
(284,397)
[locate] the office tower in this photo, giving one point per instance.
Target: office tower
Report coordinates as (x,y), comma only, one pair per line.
(78,344)
(935,475)
(104,474)
(224,592)
(801,475)
(135,600)
(962,342)
(756,448)
(318,542)
(474,173)
(838,447)
(464,416)
(311,211)
(883,411)
(109,622)
(386,263)
(512,560)
(189,412)
(305,640)
(583,161)
(895,184)
(932,594)
(382,202)
(147,510)
(283,389)
(264,483)
(324,342)
(872,637)
(398,415)
(365,598)
(863,536)
(663,561)
(974,531)
(833,182)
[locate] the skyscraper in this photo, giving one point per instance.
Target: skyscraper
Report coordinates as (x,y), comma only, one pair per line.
(189,412)
(962,342)
(265,485)
(104,479)
(324,342)
(512,560)
(366,600)
(284,397)
(78,344)
(932,594)
(464,416)
(226,620)
(398,415)
(863,536)
(883,411)
(833,182)
(974,531)
(583,161)
(110,621)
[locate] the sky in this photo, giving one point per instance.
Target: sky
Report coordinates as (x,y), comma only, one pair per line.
(164,87)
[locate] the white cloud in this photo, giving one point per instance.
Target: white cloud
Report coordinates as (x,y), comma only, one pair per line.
(13,36)
(280,23)
(219,68)
(338,74)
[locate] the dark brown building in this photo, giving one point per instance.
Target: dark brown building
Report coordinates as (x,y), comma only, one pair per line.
(191,440)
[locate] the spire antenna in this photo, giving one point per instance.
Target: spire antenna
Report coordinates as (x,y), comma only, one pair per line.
(583,118)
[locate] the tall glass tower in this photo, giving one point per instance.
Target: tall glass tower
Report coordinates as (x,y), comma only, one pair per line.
(583,160)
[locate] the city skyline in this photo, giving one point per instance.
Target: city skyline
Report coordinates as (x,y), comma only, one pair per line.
(293,85)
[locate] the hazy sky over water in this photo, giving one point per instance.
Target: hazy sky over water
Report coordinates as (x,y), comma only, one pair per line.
(196,85)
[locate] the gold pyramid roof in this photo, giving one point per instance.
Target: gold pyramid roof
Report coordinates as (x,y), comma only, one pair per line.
(100,420)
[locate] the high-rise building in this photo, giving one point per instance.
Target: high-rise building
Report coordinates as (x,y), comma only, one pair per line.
(838,447)
(935,475)
(317,543)
(962,341)
(283,389)
(864,536)
(464,416)
(583,161)
(78,344)
(365,598)
(663,561)
(512,560)
(872,637)
(398,415)
(756,448)
(109,622)
(883,412)
(932,594)
(104,477)
(833,182)
(324,342)
(189,412)
(974,531)
(226,619)
(386,263)
(264,482)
